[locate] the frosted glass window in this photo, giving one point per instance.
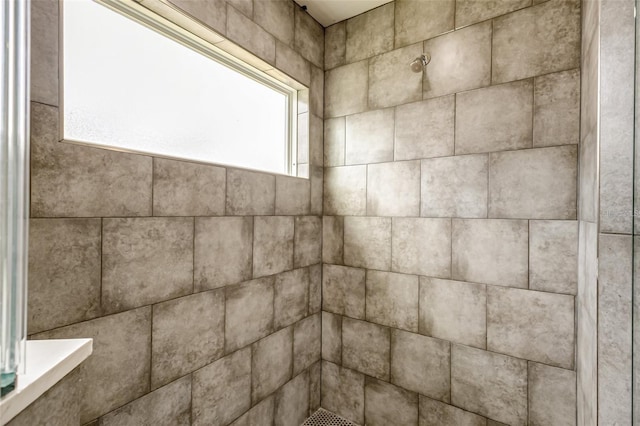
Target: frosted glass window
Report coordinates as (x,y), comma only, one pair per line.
(129,87)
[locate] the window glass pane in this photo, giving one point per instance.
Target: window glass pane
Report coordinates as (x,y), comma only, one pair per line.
(127,86)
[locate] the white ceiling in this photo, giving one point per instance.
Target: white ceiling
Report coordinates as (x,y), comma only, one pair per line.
(328,12)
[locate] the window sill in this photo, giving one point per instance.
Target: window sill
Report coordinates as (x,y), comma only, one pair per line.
(47,362)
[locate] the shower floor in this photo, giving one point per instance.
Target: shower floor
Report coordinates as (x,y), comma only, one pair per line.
(323,417)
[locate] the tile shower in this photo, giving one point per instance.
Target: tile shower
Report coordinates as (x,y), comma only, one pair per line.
(436,269)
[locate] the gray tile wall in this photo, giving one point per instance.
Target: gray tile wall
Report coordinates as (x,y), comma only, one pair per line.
(200,284)
(450,228)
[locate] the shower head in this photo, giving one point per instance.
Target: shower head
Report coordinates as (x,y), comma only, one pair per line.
(418,64)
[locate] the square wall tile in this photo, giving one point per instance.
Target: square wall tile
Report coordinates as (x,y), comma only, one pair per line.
(435,413)
(345,89)
(181,188)
(343,392)
(145,261)
(317,91)
(307,342)
(386,404)
(291,297)
(343,290)
(489,384)
(552,395)
(249,312)
(369,137)
(211,13)
(365,347)
(425,129)
(250,193)
(391,81)
(187,333)
(534,184)
(308,241)
(317,195)
(223,251)
(471,11)
(332,239)
(421,364)
(334,141)
(275,16)
(332,337)
(309,37)
(293,195)
(222,390)
(495,118)
(392,300)
(460,60)
(491,251)
(244,6)
(271,363)
(315,288)
(250,35)
(316,141)
(345,190)
(468,174)
(553,256)
(64,272)
(454,311)
(335,44)
(272,245)
(315,381)
(370,33)
(533,325)
(260,415)
(393,189)
(419,20)
(422,246)
(44,52)
(556,116)
(537,40)
(367,242)
(292,401)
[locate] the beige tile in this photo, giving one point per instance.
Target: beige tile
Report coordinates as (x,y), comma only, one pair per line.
(69,180)
(345,90)
(250,36)
(275,16)
(290,62)
(271,363)
(118,369)
(365,348)
(171,404)
(489,384)
(317,91)
(223,251)
(370,33)
(316,141)
(317,194)
(182,188)
(272,245)
(309,37)
(386,404)
(307,241)
(244,6)
(367,242)
(211,13)
(393,189)
(260,415)
(369,137)
(291,295)
(332,239)
(418,20)
(345,190)
(315,392)
(332,337)
(391,81)
(250,193)
(553,256)
(460,60)
(392,300)
(64,272)
(145,260)
(188,333)
(468,174)
(222,390)
(425,129)
(343,392)
(495,118)
(421,364)
(435,413)
(44,52)
(532,325)
(472,11)
(307,341)
(248,312)
(537,40)
(490,251)
(315,288)
(534,184)
(292,401)
(552,395)
(335,45)
(421,246)
(556,119)
(303,139)
(454,311)
(334,141)
(343,290)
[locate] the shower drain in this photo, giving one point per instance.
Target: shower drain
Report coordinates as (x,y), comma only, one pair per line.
(323,417)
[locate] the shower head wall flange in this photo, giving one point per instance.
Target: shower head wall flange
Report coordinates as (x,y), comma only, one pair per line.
(419,63)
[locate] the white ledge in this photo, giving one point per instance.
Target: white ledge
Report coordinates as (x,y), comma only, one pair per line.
(47,362)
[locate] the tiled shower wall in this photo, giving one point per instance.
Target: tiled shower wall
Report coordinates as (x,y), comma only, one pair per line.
(200,285)
(450,232)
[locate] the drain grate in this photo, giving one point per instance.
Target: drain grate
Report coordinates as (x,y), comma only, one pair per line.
(323,417)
